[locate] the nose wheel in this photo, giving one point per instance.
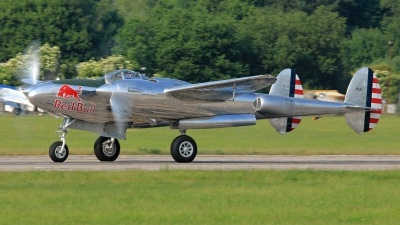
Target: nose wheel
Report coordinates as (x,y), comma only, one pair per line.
(58,151)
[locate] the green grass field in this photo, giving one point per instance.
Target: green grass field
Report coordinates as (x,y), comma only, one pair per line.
(200,197)
(25,135)
(203,197)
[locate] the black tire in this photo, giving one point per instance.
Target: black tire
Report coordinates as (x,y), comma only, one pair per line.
(55,154)
(17,111)
(183,149)
(103,151)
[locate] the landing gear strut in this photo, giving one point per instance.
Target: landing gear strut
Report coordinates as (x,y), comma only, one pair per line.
(183,148)
(58,151)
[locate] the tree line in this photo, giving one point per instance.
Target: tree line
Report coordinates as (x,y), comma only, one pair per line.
(203,40)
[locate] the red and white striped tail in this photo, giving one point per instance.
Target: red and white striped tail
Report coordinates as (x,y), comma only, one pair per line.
(376,103)
(298,88)
(364,90)
(298,93)
(288,84)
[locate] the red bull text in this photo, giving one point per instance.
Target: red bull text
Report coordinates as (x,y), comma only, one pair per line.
(67,92)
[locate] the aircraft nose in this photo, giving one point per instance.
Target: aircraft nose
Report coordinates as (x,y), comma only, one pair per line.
(39,92)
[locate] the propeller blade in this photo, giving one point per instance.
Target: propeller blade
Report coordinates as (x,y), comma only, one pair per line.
(29,69)
(120,109)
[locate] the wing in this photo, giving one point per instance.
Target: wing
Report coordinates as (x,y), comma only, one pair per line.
(13,96)
(220,90)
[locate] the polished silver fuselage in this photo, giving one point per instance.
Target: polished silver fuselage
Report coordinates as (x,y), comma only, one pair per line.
(111,105)
(143,99)
(126,99)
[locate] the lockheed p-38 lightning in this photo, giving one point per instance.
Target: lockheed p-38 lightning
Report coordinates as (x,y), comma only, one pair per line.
(126,99)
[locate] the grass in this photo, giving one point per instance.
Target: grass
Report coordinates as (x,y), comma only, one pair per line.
(203,197)
(200,197)
(26,135)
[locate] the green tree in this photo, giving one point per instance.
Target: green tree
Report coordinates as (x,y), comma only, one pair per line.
(128,9)
(358,14)
(394,85)
(22,66)
(194,41)
(205,40)
(366,46)
(95,69)
(312,45)
(82,29)
(107,22)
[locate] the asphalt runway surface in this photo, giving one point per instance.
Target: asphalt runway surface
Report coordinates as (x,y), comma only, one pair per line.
(237,162)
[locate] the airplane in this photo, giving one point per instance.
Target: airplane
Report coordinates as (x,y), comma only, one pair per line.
(16,102)
(11,106)
(126,99)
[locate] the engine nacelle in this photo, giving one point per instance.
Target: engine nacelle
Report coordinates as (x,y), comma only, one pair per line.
(275,106)
(216,122)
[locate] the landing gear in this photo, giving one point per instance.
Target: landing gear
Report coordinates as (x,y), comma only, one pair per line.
(106,149)
(58,151)
(183,148)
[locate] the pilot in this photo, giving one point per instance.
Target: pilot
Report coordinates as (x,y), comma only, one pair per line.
(129,74)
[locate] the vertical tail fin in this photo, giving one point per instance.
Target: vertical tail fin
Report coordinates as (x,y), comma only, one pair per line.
(364,90)
(288,84)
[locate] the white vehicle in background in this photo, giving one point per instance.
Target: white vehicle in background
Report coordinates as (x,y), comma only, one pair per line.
(16,102)
(12,107)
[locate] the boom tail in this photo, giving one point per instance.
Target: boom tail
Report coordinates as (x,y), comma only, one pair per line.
(364,90)
(283,108)
(288,84)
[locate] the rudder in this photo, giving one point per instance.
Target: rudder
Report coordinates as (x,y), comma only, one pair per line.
(364,90)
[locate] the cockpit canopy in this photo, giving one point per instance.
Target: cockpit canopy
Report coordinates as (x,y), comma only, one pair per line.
(124,75)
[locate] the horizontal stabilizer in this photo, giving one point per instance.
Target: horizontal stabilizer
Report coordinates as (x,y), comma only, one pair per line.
(285,124)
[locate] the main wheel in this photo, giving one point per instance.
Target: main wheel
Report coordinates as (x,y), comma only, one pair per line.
(56,153)
(105,150)
(183,149)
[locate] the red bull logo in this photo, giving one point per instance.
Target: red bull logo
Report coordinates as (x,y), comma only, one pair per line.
(68,92)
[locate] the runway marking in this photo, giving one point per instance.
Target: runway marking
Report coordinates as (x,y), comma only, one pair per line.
(208,162)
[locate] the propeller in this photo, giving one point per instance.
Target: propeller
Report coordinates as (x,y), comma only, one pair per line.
(120,109)
(29,68)
(120,106)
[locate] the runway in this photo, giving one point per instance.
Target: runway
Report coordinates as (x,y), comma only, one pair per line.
(238,162)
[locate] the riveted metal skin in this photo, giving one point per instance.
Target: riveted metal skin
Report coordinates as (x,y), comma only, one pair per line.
(126,99)
(272,106)
(138,100)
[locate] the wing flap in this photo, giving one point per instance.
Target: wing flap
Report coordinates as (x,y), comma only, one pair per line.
(220,90)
